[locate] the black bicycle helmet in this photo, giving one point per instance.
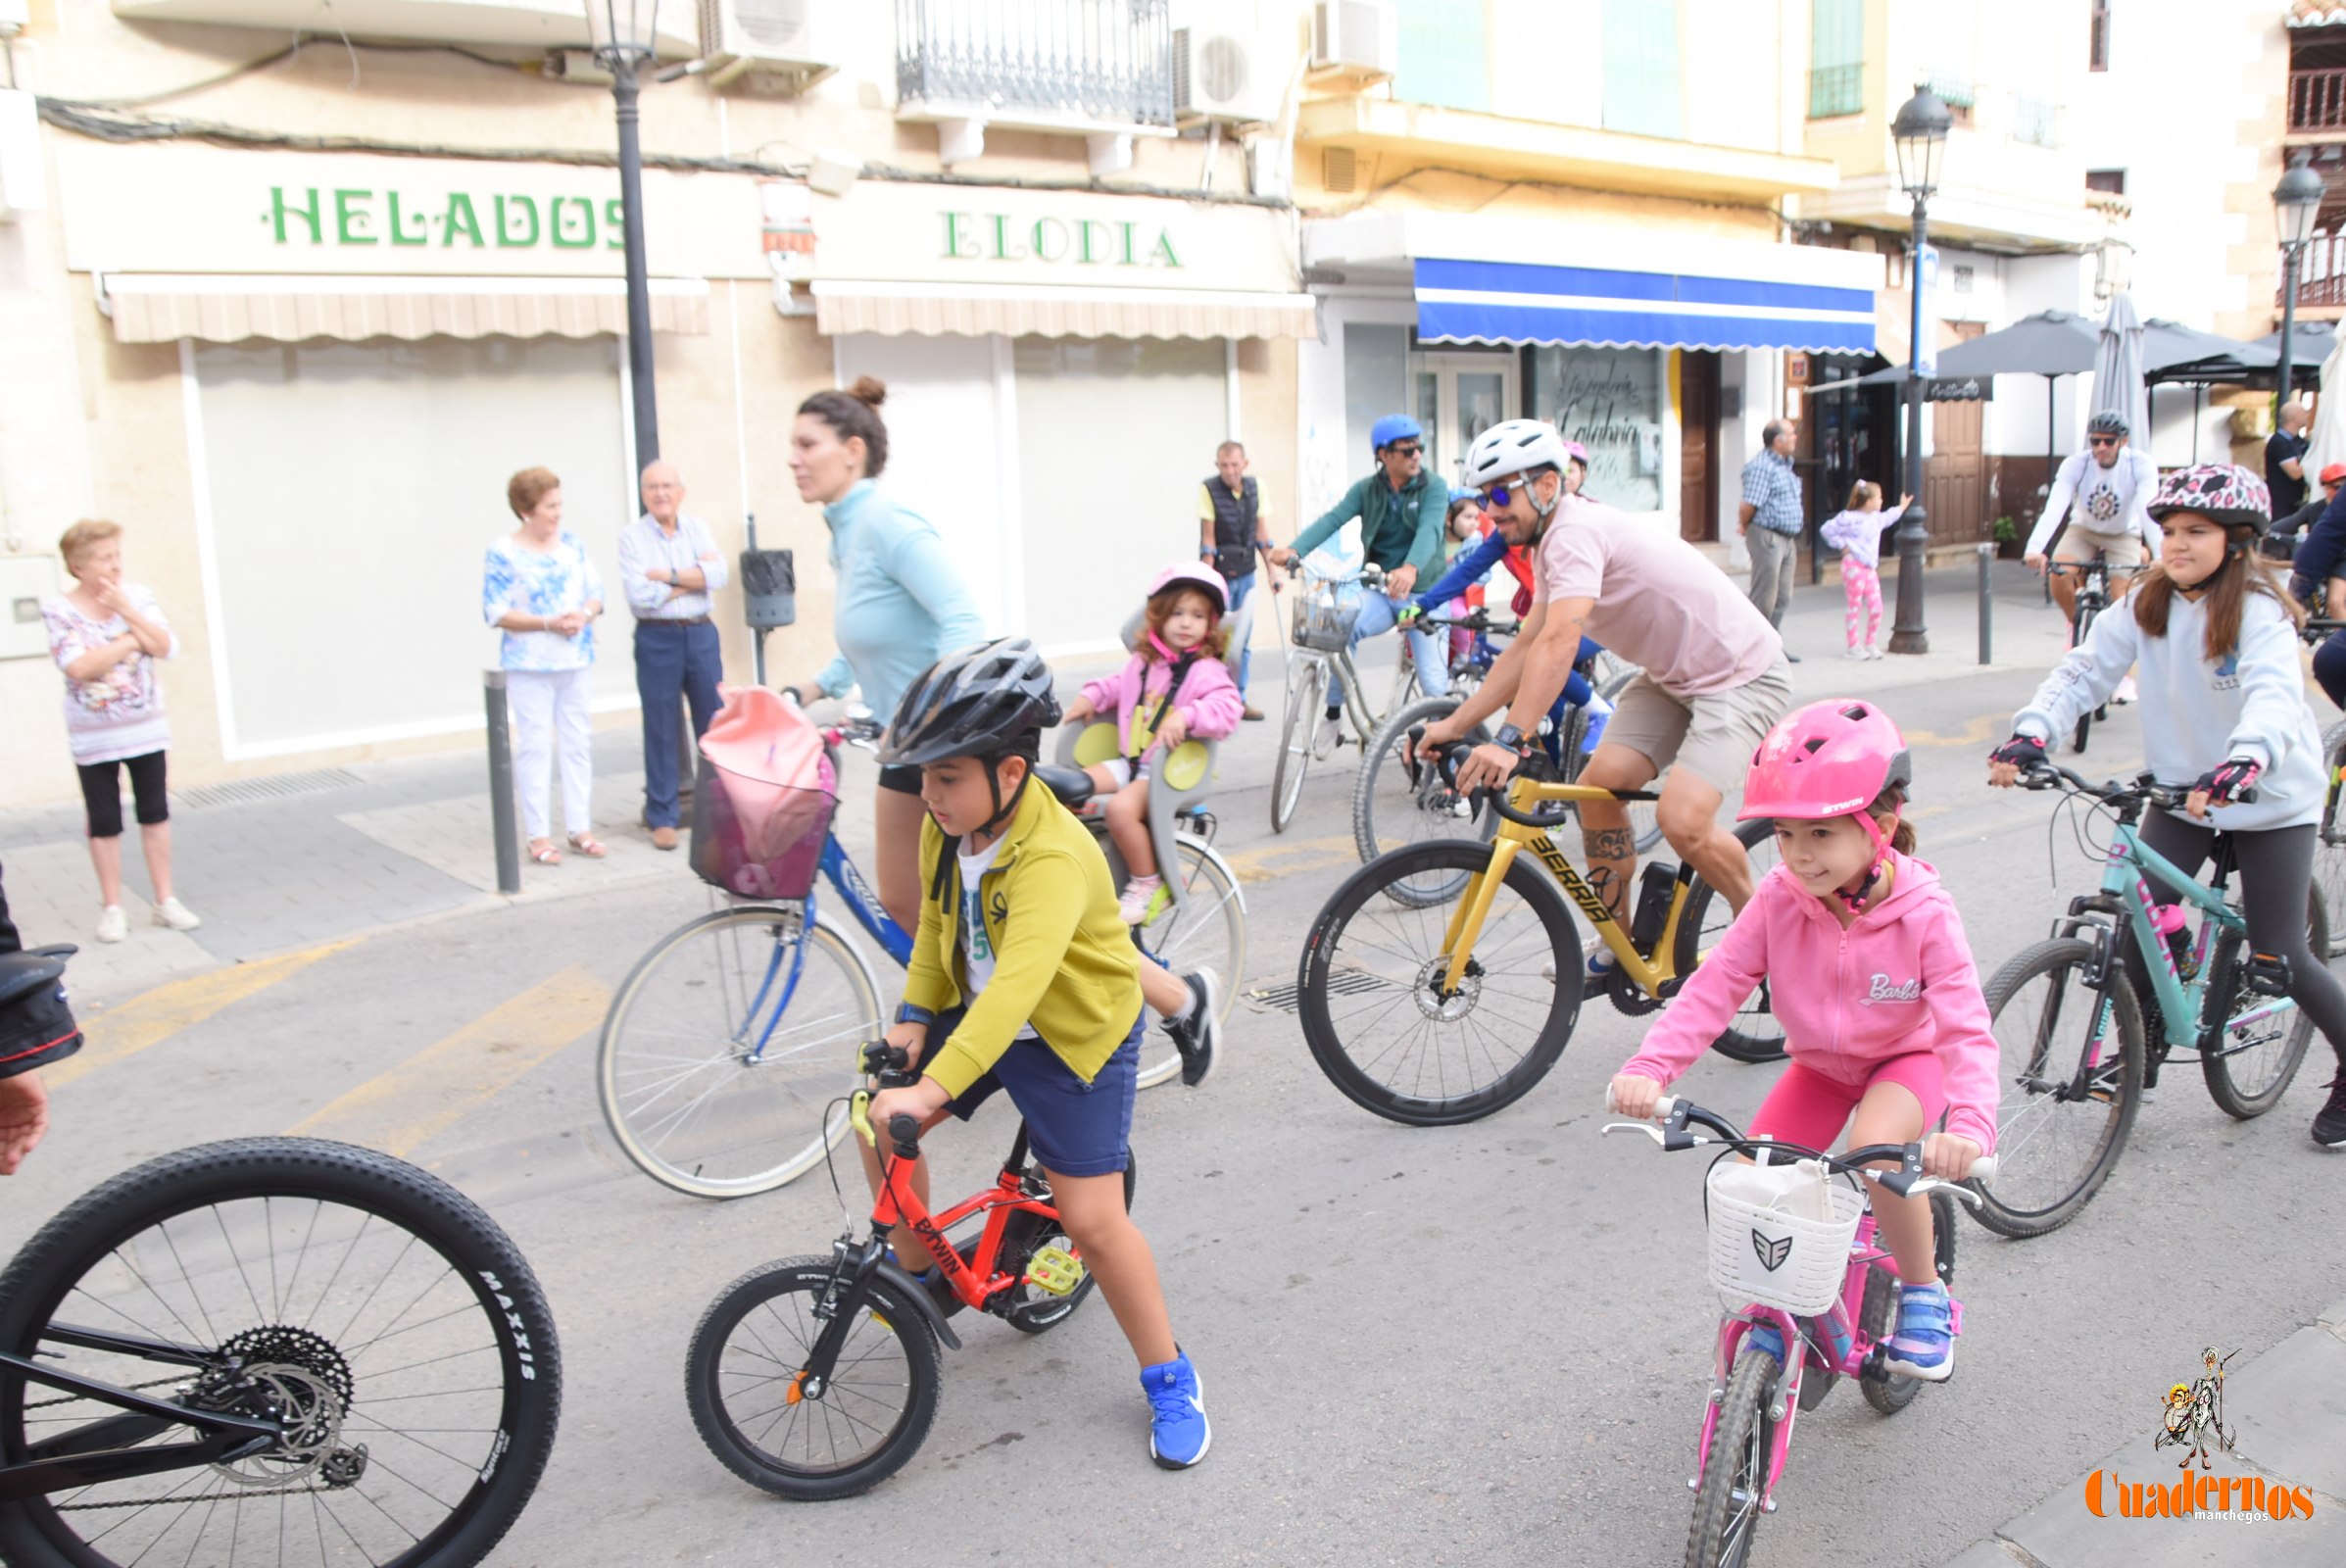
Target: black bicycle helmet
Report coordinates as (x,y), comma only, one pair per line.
(987,700)
(2109,422)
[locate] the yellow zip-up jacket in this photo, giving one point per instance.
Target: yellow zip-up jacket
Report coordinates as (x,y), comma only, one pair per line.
(1063,959)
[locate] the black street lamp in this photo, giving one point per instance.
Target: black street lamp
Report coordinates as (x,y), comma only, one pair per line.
(623,37)
(2296,203)
(1920,133)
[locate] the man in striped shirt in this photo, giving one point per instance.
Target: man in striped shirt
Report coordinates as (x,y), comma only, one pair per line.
(1769,520)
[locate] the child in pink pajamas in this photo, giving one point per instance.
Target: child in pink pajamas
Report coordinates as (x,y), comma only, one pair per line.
(1857,532)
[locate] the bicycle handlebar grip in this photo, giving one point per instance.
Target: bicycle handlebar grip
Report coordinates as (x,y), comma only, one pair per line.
(1983,1169)
(904,1129)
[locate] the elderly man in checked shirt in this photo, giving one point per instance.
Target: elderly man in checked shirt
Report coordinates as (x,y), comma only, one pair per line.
(669,566)
(1768,519)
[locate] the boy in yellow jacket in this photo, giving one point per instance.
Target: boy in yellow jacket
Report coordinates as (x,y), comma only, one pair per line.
(1024,978)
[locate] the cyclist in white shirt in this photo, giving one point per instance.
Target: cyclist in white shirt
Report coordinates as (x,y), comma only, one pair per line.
(2109,486)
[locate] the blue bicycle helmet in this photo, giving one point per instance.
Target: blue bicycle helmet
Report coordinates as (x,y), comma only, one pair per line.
(1394,427)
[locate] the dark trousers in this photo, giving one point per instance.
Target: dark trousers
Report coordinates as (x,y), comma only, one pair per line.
(672,658)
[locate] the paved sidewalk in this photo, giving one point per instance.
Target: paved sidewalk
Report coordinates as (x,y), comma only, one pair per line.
(2288,1408)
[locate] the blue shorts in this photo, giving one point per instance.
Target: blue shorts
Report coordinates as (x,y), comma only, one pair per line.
(1076,1128)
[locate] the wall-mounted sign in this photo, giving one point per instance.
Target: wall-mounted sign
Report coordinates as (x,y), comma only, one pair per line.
(346,215)
(974,236)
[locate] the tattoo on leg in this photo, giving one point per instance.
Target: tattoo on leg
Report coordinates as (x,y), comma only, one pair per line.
(1609,842)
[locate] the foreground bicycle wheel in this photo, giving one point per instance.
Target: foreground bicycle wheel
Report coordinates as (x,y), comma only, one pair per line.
(290,1278)
(2329,842)
(2069,1098)
(1389,811)
(1727,1506)
(1370,989)
(727,1046)
(755,1411)
(1207,930)
(2248,1067)
(1753,1035)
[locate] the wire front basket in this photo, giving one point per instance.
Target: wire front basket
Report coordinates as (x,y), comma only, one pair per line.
(756,840)
(1326,613)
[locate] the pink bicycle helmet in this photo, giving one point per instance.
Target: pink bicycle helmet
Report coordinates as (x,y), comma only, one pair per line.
(1829,758)
(1190,575)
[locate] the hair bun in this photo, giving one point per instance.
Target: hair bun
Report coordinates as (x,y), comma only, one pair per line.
(869,390)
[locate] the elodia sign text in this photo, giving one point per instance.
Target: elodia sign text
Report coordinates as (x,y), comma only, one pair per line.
(1079,241)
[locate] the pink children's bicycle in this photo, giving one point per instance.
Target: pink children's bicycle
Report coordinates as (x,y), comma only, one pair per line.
(1791,1237)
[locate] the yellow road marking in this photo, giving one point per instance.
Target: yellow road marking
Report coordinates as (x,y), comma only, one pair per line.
(1284,855)
(1976,733)
(152,1018)
(440,1085)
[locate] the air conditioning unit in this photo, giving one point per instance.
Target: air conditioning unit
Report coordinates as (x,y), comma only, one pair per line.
(774,38)
(1358,40)
(1223,69)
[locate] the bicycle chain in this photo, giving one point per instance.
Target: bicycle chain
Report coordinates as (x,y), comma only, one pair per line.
(83,1398)
(216,1496)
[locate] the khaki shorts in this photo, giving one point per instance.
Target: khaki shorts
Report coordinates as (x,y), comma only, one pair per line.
(2119,549)
(1712,736)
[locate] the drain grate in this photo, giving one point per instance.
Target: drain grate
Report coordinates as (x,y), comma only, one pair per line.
(1345,983)
(273,787)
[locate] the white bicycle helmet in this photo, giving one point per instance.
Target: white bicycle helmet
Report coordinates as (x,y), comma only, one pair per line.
(1514,446)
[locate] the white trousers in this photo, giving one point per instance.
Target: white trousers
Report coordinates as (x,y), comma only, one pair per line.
(550,717)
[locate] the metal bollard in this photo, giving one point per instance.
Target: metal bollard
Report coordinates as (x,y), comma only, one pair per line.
(1987,602)
(501,784)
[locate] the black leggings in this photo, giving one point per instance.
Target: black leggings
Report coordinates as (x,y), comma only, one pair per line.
(2275,876)
(102,794)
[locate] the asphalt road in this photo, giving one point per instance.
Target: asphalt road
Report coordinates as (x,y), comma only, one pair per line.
(1485,1344)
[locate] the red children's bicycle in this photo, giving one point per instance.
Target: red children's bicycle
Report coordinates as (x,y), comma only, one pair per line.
(816,1378)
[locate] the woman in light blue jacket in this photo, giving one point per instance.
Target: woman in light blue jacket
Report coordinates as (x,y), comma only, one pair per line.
(901,605)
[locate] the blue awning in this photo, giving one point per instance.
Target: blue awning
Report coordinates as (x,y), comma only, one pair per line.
(1506,302)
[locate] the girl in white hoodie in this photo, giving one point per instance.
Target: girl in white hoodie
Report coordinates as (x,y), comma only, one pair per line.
(2214,635)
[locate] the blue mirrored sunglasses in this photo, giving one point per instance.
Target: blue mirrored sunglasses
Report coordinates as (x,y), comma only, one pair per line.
(1501,494)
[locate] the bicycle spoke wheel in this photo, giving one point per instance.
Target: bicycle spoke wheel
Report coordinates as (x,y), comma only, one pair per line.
(1389,811)
(2329,845)
(1307,679)
(727,1046)
(370,1308)
(1371,996)
(1753,1035)
(2249,1065)
(1207,930)
(1735,1476)
(758,1412)
(2070,1089)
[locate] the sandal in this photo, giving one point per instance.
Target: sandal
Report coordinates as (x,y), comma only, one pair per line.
(543,851)
(589,846)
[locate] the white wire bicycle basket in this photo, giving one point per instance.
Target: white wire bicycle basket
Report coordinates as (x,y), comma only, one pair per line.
(1326,612)
(1780,1234)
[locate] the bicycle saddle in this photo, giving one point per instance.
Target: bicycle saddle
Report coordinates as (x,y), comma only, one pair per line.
(1073,785)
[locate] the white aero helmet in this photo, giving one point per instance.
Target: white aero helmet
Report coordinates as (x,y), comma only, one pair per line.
(1511,447)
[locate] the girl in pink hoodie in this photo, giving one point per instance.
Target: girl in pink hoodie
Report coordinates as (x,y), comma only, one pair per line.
(1174,688)
(1869,974)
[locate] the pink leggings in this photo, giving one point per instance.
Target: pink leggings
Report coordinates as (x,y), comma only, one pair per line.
(1810,1108)
(1863,586)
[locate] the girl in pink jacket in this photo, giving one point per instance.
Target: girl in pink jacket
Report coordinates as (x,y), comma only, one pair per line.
(1174,688)
(1873,979)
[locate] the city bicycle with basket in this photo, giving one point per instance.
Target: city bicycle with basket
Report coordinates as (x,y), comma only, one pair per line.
(1320,651)
(724,1053)
(2083,1033)
(2093,598)
(1791,1237)
(816,1378)
(1437,1012)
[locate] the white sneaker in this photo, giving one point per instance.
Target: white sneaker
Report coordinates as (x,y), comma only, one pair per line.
(113,924)
(178,916)
(1857,654)
(2125,692)
(1873,651)
(1138,895)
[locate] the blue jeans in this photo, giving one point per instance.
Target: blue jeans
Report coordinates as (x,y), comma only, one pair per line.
(1377,615)
(672,658)
(1240,588)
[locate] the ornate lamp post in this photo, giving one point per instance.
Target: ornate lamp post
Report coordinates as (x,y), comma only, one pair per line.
(623,37)
(1920,133)
(2296,203)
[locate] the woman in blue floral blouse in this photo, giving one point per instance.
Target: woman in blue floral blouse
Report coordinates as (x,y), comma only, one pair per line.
(542,591)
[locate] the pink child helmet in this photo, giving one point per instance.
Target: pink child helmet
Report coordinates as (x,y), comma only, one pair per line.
(1189,574)
(1829,758)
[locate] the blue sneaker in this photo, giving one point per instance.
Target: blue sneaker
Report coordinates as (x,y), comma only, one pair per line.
(1923,1345)
(1601,963)
(1599,711)
(1178,1432)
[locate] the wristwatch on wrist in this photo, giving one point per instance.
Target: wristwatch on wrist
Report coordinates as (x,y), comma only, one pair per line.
(1510,737)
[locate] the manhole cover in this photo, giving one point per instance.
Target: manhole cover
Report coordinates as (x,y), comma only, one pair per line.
(1343,983)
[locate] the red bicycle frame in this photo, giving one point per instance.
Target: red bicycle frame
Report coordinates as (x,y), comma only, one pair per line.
(973,1277)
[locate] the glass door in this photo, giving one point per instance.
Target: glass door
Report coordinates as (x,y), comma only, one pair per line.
(1459,396)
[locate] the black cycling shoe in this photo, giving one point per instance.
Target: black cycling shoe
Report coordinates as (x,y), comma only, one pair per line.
(2329,1122)
(1196,1035)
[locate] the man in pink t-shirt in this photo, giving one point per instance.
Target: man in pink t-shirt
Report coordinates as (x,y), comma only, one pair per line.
(1714,674)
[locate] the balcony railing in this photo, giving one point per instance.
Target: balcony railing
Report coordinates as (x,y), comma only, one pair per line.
(1108,62)
(2036,122)
(2317,100)
(1835,90)
(2321,271)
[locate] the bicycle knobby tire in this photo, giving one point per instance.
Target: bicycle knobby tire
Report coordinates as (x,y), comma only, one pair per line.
(1727,1505)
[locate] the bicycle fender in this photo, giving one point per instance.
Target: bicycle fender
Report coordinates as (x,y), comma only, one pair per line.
(911,1290)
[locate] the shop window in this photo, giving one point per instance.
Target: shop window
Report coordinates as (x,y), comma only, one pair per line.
(1836,57)
(1610,401)
(353,489)
(1442,55)
(1642,67)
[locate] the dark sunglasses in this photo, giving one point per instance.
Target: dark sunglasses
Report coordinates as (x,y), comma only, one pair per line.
(1499,494)
(2102,440)
(1406,449)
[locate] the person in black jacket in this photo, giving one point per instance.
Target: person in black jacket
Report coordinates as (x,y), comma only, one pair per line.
(2321,543)
(23,1102)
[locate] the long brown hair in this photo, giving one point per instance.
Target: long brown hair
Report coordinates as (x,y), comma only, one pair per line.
(1161,606)
(1860,493)
(2242,574)
(1892,802)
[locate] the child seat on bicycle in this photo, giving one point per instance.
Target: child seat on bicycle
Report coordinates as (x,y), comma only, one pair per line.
(1871,977)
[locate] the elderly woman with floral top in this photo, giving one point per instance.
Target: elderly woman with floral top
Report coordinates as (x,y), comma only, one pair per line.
(540,588)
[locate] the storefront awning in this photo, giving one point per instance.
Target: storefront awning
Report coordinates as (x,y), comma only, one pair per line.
(1510,302)
(162,307)
(1020,310)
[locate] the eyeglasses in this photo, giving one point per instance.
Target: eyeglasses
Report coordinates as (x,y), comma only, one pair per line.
(2103,440)
(1405,449)
(1499,494)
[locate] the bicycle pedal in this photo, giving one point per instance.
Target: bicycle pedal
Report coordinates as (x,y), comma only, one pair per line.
(1055,1269)
(2268,975)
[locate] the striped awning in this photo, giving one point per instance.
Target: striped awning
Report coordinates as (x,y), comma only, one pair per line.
(1020,310)
(163,308)
(1509,302)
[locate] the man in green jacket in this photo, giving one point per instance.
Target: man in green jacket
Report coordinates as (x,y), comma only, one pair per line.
(1401,509)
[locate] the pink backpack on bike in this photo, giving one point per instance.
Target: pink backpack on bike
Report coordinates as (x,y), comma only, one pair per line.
(768,790)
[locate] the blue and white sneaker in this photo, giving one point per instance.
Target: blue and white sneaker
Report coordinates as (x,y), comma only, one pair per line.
(1924,1344)
(1178,1434)
(1764,1337)
(1599,711)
